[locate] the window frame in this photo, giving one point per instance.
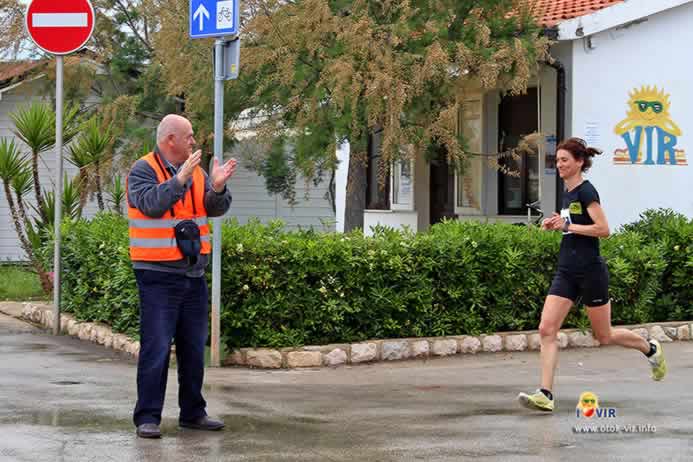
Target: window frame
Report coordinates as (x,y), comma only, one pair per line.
(459,177)
(395,178)
(380,198)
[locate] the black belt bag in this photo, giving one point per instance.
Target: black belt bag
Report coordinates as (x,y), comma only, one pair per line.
(188,239)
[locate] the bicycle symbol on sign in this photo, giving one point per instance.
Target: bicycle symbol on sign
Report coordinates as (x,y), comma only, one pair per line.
(225,14)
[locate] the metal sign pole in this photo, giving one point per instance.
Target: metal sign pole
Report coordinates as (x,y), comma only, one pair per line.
(58,191)
(224,23)
(216,222)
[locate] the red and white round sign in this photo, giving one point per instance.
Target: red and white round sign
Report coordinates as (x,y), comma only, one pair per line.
(60,27)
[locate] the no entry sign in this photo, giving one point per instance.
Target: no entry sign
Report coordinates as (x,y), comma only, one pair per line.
(60,27)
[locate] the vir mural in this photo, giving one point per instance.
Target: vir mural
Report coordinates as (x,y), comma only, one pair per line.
(650,134)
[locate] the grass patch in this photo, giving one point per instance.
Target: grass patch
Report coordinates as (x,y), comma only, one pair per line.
(19,283)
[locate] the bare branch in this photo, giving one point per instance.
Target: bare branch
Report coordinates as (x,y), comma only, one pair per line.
(133,26)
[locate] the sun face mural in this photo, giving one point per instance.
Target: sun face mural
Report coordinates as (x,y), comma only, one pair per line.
(648,131)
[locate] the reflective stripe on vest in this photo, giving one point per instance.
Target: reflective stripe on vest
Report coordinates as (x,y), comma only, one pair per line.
(154,243)
(163,223)
(153,239)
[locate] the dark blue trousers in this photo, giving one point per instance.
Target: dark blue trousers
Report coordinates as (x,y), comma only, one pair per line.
(172,306)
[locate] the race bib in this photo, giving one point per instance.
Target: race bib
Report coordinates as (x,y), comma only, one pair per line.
(565,214)
(575,208)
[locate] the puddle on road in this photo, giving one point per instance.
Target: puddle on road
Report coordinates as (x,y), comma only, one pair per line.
(482,412)
(24,347)
(86,421)
(216,388)
(298,429)
(94,359)
(682,433)
(287,428)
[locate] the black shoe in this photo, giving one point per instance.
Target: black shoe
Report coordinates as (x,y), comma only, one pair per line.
(148,430)
(203,423)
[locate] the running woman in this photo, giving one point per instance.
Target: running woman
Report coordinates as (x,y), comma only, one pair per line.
(582,275)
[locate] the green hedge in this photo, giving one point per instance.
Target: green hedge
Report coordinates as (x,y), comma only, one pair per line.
(98,283)
(674,232)
(293,288)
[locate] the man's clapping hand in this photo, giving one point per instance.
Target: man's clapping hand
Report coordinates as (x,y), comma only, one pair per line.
(221,174)
(186,170)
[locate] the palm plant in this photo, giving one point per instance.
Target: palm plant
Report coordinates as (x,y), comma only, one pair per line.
(35,126)
(93,146)
(147,147)
(44,218)
(12,164)
(45,210)
(80,158)
(116,193)
(15,174)
(21,184)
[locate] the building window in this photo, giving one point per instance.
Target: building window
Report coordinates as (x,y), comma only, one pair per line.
(469,182)
(403,185)
(378,182)
(517,118)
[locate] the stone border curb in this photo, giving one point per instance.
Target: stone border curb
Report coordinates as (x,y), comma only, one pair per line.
(102,334)
(371,351)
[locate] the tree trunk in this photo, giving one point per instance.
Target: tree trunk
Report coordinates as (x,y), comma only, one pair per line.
(331,193)
(24,242)
(35,173)
(83,178)
(97,178)
(22,211)
(355,191)
(17,217)
(46,282)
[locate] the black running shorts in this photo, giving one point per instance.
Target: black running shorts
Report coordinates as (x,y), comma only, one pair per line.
(589,285)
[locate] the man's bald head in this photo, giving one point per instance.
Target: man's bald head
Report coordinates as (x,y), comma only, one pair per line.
(175,139)
(172,124)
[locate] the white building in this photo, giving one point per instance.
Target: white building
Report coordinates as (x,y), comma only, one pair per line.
(22,83)
(620,82)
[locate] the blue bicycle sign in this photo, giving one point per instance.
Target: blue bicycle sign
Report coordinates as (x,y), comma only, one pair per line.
(214,18)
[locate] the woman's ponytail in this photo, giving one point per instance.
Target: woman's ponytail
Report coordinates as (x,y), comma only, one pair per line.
(593,152)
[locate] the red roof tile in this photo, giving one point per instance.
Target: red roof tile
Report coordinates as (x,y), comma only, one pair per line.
(15,71)
(9,71)
(552,12)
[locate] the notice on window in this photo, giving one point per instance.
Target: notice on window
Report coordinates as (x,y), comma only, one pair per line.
(405,183)
(591,136)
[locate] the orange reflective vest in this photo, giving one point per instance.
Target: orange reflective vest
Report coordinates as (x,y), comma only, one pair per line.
(153,239)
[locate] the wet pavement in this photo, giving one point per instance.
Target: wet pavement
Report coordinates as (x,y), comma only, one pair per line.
(66,400)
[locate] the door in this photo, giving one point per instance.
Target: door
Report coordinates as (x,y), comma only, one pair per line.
(517,117)
(442,189)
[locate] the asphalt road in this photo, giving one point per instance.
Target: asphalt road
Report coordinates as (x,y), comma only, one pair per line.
(66,400)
